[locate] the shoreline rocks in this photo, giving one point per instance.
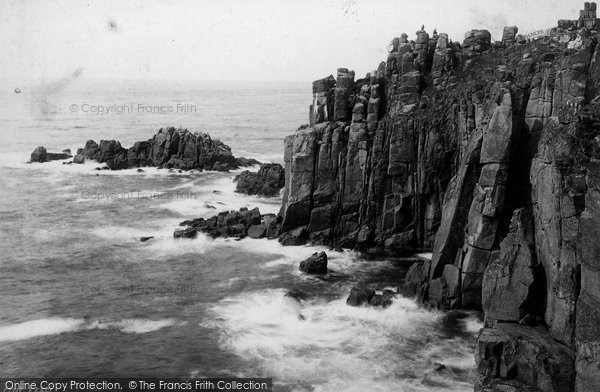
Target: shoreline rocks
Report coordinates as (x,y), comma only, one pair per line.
(40,155)
(236,224)
(169,148)
(269,179)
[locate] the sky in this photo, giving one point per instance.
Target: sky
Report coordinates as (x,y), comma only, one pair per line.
(254,40)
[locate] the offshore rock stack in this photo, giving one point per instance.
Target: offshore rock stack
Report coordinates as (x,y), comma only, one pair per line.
(488,153)
(170,148)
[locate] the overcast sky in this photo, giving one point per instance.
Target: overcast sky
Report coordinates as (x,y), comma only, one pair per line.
(237,39)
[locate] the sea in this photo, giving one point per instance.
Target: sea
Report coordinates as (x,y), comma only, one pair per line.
(82,296)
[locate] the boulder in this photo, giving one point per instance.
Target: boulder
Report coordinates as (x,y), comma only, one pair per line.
(384,299)
(40,155)
(78,159)
(360,295)
(257,231)
(315,264)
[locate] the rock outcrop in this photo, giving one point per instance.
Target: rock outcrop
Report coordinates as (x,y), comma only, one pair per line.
(40,155)
(170,148)
(268,181)
(236,224)
(488,154)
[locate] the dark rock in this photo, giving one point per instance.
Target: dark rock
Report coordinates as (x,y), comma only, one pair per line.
(360,295)
(315,264)
(508,282)
(236,224)
(297,294)
(295,237)
(189,232)
(170,148)
(140,170)
(78,159)
(269,179)
(245,162)
(144,239)
(528,355)
(384,299)
(41,155)
(257,231)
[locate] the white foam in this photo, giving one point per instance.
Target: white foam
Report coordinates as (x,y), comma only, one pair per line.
(140,325)
(425,255)
(337,347)
(56,326)
(472,324)
(35,328)
(217,195)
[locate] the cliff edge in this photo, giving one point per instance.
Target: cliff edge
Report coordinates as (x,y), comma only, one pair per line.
(488,154)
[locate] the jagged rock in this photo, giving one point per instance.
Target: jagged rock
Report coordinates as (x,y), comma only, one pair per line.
(78,159)
(235,224)
(360,295)
(384,299)
(477,40)
(415,277)
(315,264)
(509,292)
(269,179)
(170,148)
(189,232)
(527,355)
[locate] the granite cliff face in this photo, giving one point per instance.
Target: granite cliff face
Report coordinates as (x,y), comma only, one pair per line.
(487,153)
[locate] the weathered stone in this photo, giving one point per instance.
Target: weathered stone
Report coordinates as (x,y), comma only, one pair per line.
(40,155)
(315,264)
(269,179)
(360,295)
(508,282)
(169,148)
(257,231)
(528,355)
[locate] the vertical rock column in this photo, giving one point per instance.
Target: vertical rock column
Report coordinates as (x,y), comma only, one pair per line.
(343,89)
(322,106)
(488,201)
(509,34)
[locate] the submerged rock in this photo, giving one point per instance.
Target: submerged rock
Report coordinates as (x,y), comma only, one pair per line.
(315,264)
(297,294)
(144,239)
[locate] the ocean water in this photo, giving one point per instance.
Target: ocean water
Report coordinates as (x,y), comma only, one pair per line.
(81,295)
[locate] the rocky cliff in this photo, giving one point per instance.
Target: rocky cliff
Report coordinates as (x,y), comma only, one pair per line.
(487,153)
